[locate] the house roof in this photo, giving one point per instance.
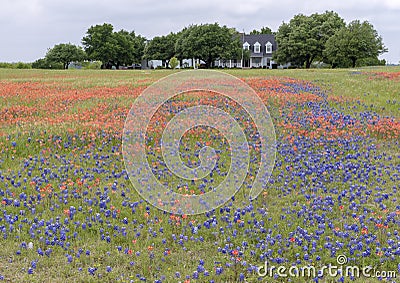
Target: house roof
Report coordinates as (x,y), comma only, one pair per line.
(260,38)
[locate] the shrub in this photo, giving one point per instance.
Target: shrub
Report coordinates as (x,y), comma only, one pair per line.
(174,62)
(42,63)
(18,65)
(91,65)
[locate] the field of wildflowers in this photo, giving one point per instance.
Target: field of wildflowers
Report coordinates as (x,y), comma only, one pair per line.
(70,214)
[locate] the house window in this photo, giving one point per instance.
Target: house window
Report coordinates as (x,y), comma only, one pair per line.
(246,46)
(257,47)
(268,47)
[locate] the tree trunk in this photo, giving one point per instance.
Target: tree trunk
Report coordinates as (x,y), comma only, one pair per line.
(209,62)
(308,63)
(309,60)
(353,62)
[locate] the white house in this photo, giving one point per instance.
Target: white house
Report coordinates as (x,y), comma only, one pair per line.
(260,48)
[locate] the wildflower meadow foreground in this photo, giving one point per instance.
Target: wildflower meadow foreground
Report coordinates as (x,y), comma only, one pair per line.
(330,212)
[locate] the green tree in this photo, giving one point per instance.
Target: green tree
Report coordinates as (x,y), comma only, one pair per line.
(161,48)
(303,39)
(139,44)
(356,42)
(208,42)
(246,55)
(15,65)
(264,30)
(65,53)
(43,63)
(182,48)
(113,48)
(124,48)
(174,62)
(100,43)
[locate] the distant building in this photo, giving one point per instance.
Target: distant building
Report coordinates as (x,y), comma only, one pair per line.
(186,63)
(259,49)
(257,53)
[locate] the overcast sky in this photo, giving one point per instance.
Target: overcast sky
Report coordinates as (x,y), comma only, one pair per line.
(29,27)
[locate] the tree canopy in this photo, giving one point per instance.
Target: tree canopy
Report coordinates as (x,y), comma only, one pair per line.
(264,30)
(303,39)
(113,48)
(161,48)
(354,42)
(208,42)
(99,43)
(65,53)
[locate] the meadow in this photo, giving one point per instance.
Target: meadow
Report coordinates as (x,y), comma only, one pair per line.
(70,214)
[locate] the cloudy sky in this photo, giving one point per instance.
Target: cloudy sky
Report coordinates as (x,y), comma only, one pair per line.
(29,27)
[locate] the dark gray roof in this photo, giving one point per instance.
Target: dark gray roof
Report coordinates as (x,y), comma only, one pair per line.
(260,38)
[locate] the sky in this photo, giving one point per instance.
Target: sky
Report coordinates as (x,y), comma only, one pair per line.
(29,27)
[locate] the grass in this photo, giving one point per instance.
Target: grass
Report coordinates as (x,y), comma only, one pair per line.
(355,86)
(70,155)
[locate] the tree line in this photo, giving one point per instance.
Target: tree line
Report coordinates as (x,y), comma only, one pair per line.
(327,38)
(302,41)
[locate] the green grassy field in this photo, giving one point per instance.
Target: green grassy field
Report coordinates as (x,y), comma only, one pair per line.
(63,185)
